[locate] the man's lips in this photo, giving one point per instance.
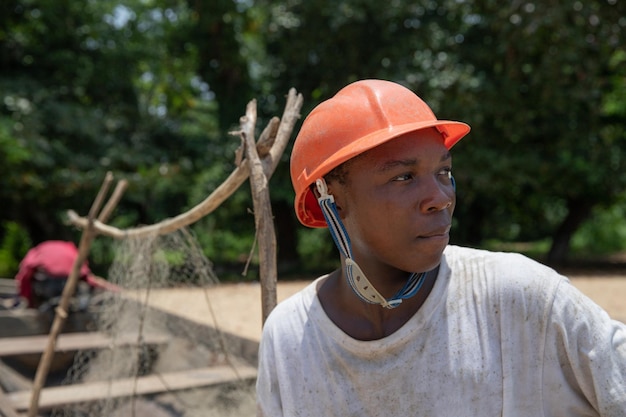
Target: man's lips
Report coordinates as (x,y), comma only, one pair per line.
(437,232)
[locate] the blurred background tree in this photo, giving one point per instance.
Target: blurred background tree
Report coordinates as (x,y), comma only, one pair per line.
(150,88)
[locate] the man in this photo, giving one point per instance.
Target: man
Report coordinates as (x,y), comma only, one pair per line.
(44,271)
(409,325)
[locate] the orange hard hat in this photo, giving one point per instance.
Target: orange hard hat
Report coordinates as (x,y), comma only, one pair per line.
(359,117)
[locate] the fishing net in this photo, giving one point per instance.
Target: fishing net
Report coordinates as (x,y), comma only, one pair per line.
(158,363)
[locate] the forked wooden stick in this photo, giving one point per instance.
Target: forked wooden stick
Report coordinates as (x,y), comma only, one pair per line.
(87,237)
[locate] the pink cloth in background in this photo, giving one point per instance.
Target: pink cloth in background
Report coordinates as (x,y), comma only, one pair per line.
(55,258)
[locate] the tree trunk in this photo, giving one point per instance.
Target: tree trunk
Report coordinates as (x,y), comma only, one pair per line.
(578,210)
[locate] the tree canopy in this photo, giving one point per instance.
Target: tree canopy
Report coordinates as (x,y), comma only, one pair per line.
(149,89)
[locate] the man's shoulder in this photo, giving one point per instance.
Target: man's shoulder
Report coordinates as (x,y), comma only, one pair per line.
(511,261)
(294,308)
(505,269)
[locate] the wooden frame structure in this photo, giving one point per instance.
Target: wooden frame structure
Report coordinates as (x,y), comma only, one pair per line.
(261,159)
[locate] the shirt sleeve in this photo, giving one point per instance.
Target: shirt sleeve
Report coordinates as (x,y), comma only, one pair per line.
(585,358)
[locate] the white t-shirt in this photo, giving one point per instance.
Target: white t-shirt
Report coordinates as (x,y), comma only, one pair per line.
(499,335)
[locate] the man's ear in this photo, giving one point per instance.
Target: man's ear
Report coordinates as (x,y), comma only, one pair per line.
(336,190)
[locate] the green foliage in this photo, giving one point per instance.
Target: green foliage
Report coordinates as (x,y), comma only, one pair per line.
(604,233)
(150,89)
(227,234)
(317,252)
(83,94)
(540,84)
(13,248)
(542,74)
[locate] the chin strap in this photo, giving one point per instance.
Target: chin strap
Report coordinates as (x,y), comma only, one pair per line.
(356,278)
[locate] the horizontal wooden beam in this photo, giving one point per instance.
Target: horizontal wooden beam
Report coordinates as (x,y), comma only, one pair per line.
(94,391)
(68,342)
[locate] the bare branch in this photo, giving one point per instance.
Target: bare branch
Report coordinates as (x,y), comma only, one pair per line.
(268,137)
(290,115)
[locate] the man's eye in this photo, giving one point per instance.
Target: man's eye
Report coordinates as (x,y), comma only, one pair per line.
(403,177)
(447,172)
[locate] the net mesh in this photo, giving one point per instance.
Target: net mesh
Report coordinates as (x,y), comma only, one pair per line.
(157,363)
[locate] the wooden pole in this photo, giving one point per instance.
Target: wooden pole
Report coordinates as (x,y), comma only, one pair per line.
(263,218)
(86,239)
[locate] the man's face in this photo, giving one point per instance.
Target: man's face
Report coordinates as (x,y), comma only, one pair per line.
(397,203)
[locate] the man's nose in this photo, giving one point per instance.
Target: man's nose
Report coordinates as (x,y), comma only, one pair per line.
(436,196)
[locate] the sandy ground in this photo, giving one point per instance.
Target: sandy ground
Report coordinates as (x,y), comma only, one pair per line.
(236,308)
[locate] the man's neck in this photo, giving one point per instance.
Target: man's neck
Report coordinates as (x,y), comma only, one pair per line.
(364,321)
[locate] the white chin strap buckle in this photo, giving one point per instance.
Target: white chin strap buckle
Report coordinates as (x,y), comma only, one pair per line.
(364,289)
